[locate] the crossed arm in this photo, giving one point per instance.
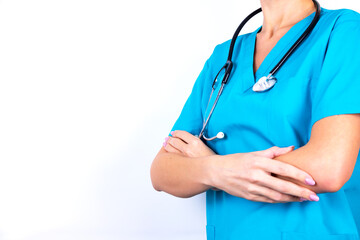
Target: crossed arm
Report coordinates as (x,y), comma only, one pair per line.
(329,158)
(331,153)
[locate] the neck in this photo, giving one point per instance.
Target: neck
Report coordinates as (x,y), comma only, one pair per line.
(282,14)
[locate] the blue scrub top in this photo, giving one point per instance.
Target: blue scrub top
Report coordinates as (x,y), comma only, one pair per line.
(320,79)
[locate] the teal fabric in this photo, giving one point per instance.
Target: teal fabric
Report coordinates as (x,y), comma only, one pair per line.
(320,79)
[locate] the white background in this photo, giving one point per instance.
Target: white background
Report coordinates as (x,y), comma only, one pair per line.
(88,91)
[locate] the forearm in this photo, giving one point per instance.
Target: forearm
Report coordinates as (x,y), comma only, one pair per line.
(331,153)
(322,164)
(179,175)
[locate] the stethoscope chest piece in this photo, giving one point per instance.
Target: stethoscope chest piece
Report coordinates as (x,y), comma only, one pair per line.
(220,135)
(264,84)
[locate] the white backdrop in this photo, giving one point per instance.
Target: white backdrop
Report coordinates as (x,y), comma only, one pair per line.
(88,91)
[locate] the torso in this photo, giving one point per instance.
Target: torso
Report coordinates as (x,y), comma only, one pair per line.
(279,117)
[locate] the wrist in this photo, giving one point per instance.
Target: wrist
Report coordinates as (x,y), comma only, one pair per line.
(211,166)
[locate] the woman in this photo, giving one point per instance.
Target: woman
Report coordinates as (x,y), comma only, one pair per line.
(255,187)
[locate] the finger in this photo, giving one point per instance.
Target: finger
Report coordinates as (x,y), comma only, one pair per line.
(177,143)
(268,153)
(286,187)
(183,135)
(268,200)
(259,198)
(287,170)
(276,196)
(171,149)
(282,151)
(249,196)
(291,199)
(273,151)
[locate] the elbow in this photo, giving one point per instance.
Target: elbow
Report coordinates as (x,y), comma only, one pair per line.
(160,186)
(330,185)
(332,181)
(154,180)
(331,172)
(155,186)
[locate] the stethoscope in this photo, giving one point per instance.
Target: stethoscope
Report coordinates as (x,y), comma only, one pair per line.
(264,83)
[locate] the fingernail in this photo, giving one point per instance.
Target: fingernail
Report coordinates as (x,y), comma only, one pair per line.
(165,142)
(314,198)
(172,132)
(309,181)
(303,199)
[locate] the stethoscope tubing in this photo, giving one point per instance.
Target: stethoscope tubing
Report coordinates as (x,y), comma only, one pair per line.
(211,111)
(300,39)
(229,64)
(236,34)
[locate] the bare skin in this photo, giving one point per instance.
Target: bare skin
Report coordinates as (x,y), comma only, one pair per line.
(331,153)
(186,167)
(329,157)
(246,175)
(276,24)
(184,170)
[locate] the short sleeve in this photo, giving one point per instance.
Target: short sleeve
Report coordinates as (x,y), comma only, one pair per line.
(191,117)
(337,90)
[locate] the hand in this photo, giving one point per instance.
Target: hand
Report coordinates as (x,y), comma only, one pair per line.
(185,143)
(249,176)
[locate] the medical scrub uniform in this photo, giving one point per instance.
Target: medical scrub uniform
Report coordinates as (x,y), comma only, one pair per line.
(320,79)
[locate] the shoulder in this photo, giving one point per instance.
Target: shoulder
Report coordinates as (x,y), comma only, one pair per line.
(338,25)
(340,17)
(224,46)
(342,14)
(221,50)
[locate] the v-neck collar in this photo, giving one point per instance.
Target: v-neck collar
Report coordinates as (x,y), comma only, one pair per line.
(274,56)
